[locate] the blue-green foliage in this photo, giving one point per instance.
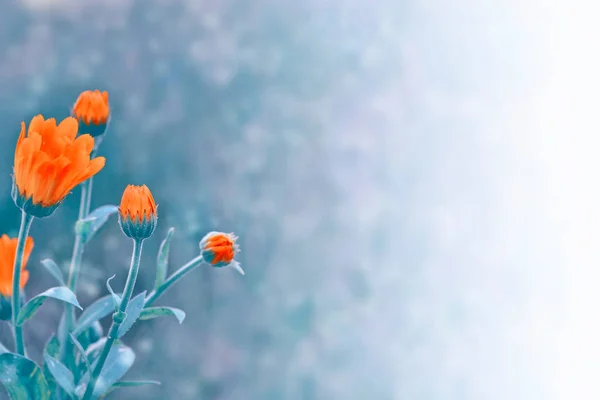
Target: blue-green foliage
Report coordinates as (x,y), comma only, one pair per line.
(23,379)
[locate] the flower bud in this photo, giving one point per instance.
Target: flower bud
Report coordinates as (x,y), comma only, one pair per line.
(137,212)
(93,113)
(219,249)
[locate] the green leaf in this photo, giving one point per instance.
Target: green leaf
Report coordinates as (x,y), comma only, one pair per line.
(52,348)
(95,312)
(87,227)
(22,379)
(61,374)
(91,334)
(61,293)
(155,312)
(62,326)
(119,360)
(5,308)
(3,349)
(134,309)
(115,297)
(124,384)
(162,260)
(81,353)
(54,270)
(93,351)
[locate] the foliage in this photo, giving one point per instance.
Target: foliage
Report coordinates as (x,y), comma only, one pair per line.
(80,360)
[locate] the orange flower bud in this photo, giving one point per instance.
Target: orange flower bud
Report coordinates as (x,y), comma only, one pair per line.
(219,249)
(93,110)
(138,212)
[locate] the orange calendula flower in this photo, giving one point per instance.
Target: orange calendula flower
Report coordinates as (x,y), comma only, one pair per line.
(8,250)
(93,110)
(50,161)
(219,249)
(138,212)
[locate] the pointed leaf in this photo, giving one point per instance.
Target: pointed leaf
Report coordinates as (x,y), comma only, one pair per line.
(52,348)
(91,335)
(95,312)
(22,379)
(54,270)
(134,383)
(93,351)
(238,267)
(62,326)
(88,226)
(155,312)
(81,353)
(3,349)
(115,297)
(119,360)
(162,260)
(61,374)
(124,384)
(134,308)
(61,293)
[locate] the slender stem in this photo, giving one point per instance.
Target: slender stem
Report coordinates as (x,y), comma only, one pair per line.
(155,294)
(66,350)
(88,203)
(26,221)
(84,210)
(118,317)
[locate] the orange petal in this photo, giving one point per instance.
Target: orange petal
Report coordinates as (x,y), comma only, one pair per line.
(68,128)
(36,124)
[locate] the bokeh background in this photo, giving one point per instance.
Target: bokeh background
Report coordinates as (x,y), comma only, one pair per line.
(414,184)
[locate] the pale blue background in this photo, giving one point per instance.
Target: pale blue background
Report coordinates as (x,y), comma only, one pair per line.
(412,183)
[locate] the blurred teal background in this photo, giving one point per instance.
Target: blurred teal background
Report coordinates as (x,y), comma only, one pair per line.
(406,179)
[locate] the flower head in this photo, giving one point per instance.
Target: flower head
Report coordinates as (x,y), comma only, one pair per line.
(93,110)
(8,250)
(50,161)
(137,212)
(219,249)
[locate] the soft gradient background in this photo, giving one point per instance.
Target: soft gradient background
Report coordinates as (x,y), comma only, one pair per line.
(414,184)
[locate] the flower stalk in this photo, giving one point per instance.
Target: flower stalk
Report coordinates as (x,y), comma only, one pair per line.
(26,221)
(66,349)
(177,275)
(217,249)
(118,316)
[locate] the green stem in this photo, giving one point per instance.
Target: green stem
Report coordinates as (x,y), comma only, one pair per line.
(118,317)
(66,350)
(84,210)
(26,221)
(156,293)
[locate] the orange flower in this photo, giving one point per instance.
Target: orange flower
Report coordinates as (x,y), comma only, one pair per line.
(49,162)
(219,250)
(137,212)
(8,249)
(92,107)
